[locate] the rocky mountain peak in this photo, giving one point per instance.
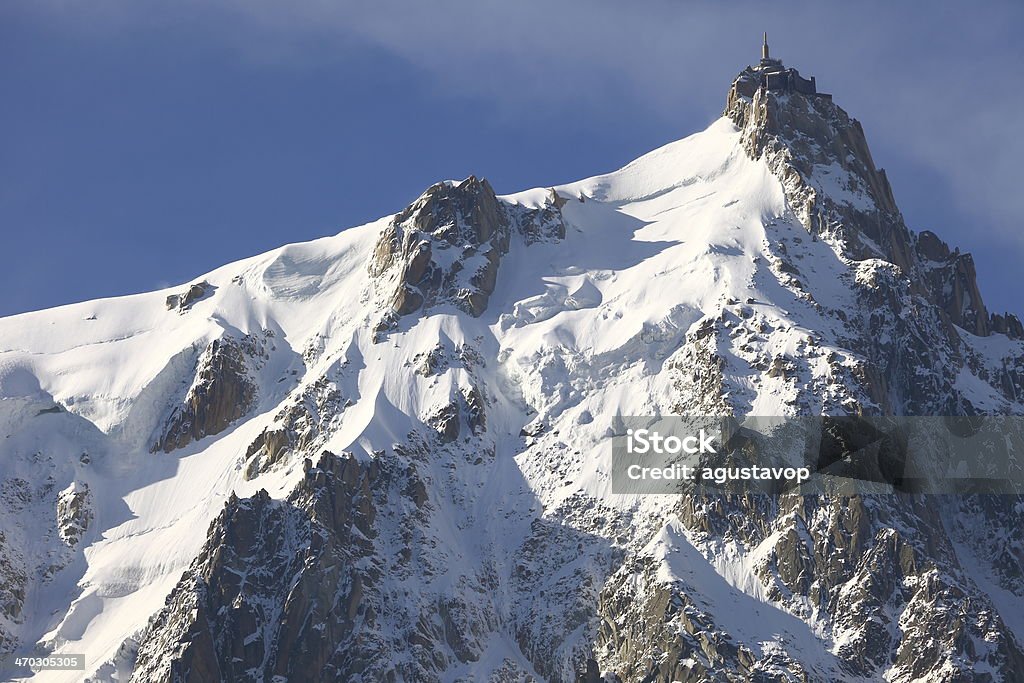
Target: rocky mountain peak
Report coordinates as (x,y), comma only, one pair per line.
(821,155)
(456,214)
(447,245)
(811,141)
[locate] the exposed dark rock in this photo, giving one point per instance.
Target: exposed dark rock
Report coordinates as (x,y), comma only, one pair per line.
(277,592)
(268,447)
(74,512)
(533,429)
(881,571)
(541,224)
(803,137)
(465,219)
(299,426)
(1008,324)
(904,342)
(659,634)
(700,372)
(930,247)
(304,590)
(184,300)
(554,567)
(433,362)
(221,392)
(14,583)
(591,673)
(339,581)
(952,281)
(447,246)
(447,422)
(476,412)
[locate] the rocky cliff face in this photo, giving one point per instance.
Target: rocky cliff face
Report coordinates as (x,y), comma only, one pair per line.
(221,392)
(281,589)
(597,593)
(821,156)
(74,512)
(182,301)
(44,527)
(446,247)
(952,281)
(466,227)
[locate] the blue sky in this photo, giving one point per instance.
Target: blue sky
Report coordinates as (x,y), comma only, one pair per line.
(145,143)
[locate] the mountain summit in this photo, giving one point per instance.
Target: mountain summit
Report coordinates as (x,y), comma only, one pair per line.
(803,134)
(385,455)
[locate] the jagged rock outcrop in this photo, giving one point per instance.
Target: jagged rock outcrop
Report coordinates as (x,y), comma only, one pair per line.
(822,158)
(43,525)
(1008,324)
(952,279)
(446,422)
(912,355)
(880,573)
(447,245)
(661,635)
(912,288)
(464,412)
(13,586)
(544,223)
(279,589)
(221,392)
(306,589)
(183,301)
(860,587)
(74,512)
(301,425)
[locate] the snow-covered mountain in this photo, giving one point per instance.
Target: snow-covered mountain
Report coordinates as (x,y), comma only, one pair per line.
(385,455)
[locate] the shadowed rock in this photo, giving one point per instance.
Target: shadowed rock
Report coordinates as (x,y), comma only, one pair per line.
(184,300)
(276,593)
(221,392)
